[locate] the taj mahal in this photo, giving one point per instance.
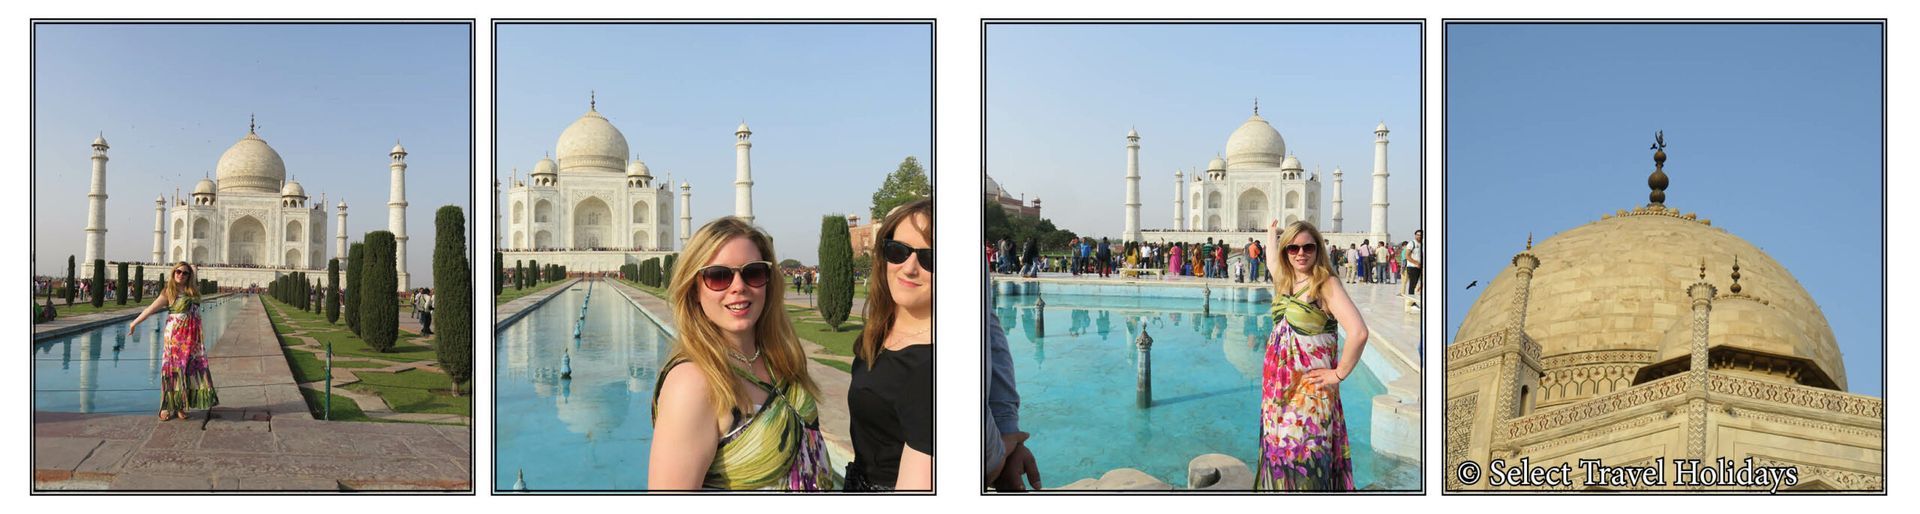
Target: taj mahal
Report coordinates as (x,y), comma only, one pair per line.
(248,224)
(1256,182)
(1650,336)
(581,208)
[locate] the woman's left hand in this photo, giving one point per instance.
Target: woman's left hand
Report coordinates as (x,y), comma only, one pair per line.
(1327,379)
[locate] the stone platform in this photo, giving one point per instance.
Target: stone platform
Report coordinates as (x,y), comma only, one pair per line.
(260,438)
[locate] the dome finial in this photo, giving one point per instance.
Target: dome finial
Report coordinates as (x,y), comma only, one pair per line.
(1529,241)
(250,123)
(593,100)
(1658,180)
(1736,275)
(1703,268)
(1256,106)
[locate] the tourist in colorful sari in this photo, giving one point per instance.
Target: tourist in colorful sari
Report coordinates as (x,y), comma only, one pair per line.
(890,395)
(185,381)
(1303,434)
(734,407)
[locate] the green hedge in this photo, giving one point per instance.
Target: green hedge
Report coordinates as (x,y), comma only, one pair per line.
(379,308)
(453,294)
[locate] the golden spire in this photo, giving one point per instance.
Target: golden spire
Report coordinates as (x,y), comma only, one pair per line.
(1529,240)
(1703,268)
(1658,180)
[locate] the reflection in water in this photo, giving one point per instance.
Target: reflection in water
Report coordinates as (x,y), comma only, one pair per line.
(1078,388)
(590,431)
(86,378)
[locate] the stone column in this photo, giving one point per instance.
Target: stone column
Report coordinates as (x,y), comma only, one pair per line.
(340,234)
(686,213)
(159,229)
(1179,200)
(1379,227)
(96,209)
(1132,230)
(1702,295)
(397,212)
(1336,199)
(743,173)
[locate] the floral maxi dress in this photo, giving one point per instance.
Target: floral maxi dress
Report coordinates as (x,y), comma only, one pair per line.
(1303,435)
(185,381)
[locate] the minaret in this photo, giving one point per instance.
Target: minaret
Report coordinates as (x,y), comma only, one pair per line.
(1179,200)
(742,173)
(1701,293)
(1336,199)
(1379,228)
(686,213)
(1132,231)
(97,206)
(397,211)
(159,229)
(340,233)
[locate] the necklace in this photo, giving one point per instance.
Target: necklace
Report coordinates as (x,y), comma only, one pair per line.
(897,337)
(743,357)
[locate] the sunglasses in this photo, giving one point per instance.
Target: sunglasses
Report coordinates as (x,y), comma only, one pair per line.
(897,252)
(719,278)
(1309,248)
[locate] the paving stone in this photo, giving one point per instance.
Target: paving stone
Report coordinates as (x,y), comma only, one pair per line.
(175,436)
(317,442)
(238,441)
(107,458)
(236,424)
(62,453)
(159,482)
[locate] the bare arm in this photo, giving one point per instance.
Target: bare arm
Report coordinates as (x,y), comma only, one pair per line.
(916,470)
(1343,310)
(158,301)
(685,434)
(1273,263)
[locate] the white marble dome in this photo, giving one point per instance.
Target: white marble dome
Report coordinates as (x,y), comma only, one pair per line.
(1291,163)
(250,166)
(1255,145)
(293,189)
(545,167)
(204,187)
(1217,164)
(638,169)
(590,144)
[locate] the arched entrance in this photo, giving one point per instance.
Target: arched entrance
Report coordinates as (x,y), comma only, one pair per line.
(1253,210)
(246,242)
(591,221)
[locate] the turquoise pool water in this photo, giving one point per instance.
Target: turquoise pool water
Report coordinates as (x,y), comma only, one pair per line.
(1077,381)
(104,370)
(588,433)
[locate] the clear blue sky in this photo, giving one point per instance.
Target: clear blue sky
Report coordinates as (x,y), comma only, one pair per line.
(1060,99)
(171,98)
(1773,132)
(833,108)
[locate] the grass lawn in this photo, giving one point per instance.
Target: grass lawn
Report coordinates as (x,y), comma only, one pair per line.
(417,391)
(308,367)
(344,409)
(657,292)
(508,294)
(407,391)
(838,342)
(842,366)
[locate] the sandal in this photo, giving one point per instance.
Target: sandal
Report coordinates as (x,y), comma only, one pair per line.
(166,415)
(182,415)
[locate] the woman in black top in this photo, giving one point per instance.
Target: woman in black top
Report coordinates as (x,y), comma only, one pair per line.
(890,399)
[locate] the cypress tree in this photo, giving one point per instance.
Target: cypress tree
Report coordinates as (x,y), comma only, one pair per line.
(140,283)
(519,275)
(379,309)
(72,285)
(120,289)
(499,273)
(99,282)
(533,270)
(836,271)
(333,291)
(453,294)
(356,255)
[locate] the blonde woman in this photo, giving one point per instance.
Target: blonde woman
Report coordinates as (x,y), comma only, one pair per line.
(1303,434)
(890,398)
(185,381)
(734,406)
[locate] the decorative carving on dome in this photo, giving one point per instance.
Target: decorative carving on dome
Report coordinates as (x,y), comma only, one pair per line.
(1799,396)
(1644,394)
(1598,357)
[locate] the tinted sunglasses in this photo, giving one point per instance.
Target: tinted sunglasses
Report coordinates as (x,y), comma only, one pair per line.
(1309,248)
(719,278)
(897,252)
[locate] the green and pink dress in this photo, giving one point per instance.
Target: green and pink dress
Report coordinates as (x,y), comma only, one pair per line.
(1303,435)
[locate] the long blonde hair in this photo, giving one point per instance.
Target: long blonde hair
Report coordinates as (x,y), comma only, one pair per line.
(173,289)
(880,304)
(701,341)
(1319,270)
